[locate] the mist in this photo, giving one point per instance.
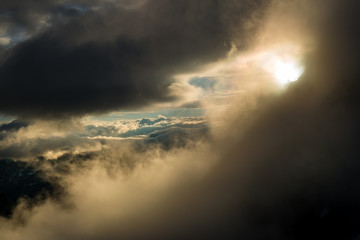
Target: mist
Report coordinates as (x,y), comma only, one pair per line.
(264,162)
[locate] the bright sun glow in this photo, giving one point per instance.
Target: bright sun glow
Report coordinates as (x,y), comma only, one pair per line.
(283,65)
(286,71)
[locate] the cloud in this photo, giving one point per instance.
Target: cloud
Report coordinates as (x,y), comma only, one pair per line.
(116,59)
(4,41)
(23,19)
(31,140)
(297,162)
(284,168)
(44,162)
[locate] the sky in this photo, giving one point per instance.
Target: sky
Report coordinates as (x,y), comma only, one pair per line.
(192,119)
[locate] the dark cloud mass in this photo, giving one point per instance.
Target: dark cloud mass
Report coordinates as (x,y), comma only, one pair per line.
(114,57)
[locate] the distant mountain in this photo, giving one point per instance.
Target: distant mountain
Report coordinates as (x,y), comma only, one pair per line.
(19,180)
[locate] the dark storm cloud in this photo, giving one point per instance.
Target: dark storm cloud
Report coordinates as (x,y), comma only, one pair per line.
(118,58)
(24,18)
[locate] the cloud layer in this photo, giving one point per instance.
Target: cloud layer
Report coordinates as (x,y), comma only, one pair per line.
(115,58)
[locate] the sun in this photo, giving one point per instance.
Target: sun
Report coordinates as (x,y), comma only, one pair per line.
(283,65)
(285,72)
